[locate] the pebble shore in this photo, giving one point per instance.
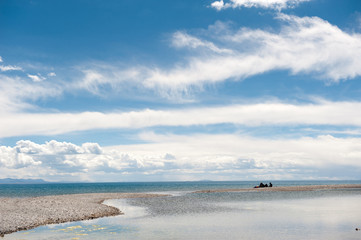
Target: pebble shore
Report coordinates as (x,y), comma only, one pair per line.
(18,214)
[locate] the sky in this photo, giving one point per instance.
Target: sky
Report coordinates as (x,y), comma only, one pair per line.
(181,90)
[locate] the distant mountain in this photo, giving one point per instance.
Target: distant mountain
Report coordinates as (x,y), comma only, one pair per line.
(21,181)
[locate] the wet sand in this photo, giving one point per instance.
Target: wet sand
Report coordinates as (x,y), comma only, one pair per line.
(18,214)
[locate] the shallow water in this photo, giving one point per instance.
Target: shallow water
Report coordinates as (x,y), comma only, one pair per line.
(323,214)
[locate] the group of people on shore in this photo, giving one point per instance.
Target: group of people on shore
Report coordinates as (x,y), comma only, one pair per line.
(261,185)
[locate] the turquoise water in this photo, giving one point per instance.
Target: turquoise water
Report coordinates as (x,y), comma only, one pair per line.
(323,214)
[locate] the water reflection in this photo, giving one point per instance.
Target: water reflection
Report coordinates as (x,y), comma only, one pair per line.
(249,215)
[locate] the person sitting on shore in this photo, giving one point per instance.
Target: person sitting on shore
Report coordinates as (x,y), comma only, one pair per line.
(262,185)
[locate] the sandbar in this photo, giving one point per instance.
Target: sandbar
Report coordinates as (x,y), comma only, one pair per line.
(285,188)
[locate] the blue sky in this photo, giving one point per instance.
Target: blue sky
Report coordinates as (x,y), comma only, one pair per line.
(152,90)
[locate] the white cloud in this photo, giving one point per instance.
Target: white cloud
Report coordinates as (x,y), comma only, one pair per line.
(351,132)
(303,45)
(272,4)
(261,114)
(63,158)
(267,153)
(53,154)
(36,78)
(219,5)
(227,157)
(1,59)
(101,76)
(181,39)
(9,68)
(307,45)
(51,74)
(11,158)
(16,92)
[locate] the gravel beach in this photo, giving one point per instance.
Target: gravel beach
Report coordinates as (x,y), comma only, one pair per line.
(26,213)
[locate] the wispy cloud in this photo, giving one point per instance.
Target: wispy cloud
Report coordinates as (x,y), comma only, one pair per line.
(5,68)
(9,68)
(262,114)
(272,4)
(97,77)
(17,93)
(36,78)
(307,45)
(182,39)
(303,45)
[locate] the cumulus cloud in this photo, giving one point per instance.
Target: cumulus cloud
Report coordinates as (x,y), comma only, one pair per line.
(247,157)
(27,153)
(12,158)
(259,114)
(189,157)
(272,4)
(66,158)
(219,5)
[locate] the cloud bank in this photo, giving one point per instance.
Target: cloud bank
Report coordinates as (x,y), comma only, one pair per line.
(261,114)
(177,157)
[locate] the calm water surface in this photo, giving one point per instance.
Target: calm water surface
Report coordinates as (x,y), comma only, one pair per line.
(324,214)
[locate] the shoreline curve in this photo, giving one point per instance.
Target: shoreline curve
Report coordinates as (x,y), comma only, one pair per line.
(18,214)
